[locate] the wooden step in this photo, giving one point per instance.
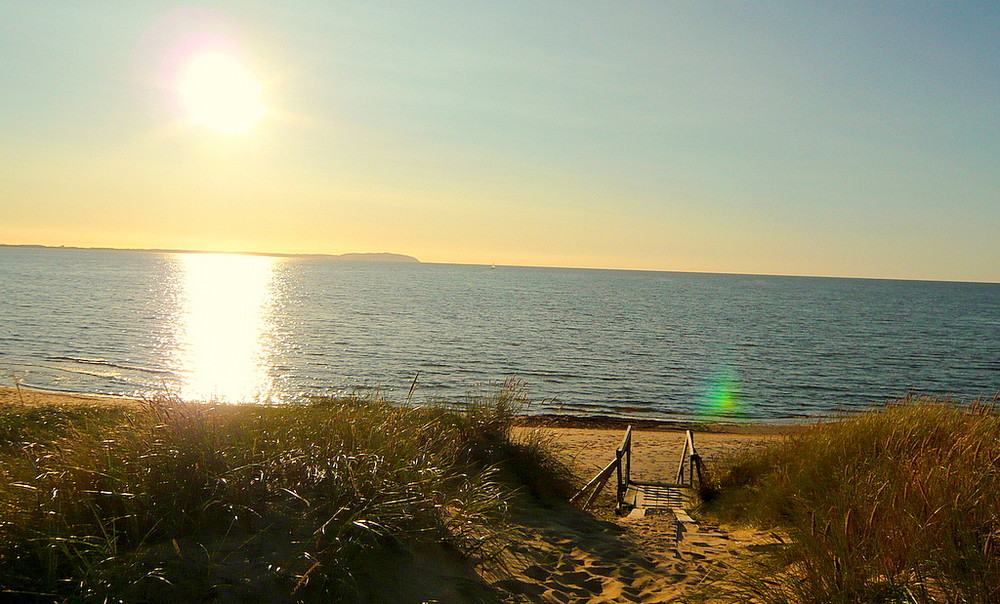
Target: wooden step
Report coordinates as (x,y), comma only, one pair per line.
(660,496)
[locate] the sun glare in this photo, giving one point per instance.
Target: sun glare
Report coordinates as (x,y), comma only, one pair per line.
(220,93)
(225,321)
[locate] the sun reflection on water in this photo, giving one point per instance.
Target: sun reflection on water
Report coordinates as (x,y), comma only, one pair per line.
(225,327)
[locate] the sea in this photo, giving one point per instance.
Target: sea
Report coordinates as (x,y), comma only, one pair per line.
(581,342)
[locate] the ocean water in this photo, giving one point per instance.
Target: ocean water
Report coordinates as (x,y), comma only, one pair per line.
(585,342)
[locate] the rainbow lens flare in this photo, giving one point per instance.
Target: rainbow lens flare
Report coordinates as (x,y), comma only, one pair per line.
(722,396)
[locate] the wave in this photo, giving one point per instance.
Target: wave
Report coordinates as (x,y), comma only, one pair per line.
(106,363)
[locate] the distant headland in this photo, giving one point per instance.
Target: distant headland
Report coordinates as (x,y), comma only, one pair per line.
(350,257)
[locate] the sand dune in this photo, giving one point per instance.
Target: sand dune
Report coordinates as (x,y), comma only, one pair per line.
(563,554)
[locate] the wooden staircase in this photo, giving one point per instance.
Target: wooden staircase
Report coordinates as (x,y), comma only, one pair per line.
(635,497)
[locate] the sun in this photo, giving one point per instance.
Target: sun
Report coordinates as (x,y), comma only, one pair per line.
(219,92)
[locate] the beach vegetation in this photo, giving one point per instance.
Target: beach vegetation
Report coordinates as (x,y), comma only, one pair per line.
(168,500)
(897,504)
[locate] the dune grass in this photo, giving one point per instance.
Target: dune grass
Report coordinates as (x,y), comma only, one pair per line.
(896,505)
(175,501)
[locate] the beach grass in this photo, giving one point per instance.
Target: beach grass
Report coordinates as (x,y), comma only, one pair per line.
(168,500)
(893,505)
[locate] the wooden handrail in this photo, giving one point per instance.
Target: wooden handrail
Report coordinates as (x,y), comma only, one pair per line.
(689,456)
(596,483)
(680,465)
(622,463)
(623,454)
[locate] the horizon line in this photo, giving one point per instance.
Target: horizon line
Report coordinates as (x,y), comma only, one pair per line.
(415,260)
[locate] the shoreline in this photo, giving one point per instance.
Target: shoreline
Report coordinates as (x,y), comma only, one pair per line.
(598,422)
(32,394)
(586,443)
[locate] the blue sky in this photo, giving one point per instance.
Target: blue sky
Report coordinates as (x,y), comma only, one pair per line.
(850,139)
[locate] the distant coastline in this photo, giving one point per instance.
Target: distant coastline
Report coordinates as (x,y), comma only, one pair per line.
(352,257)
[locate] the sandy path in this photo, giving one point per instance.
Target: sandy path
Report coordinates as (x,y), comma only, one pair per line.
(566,555)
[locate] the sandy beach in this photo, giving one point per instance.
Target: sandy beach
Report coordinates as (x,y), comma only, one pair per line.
(562,554)
(655,451)
(30,396)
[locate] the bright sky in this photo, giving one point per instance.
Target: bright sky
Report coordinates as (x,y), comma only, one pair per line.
(820,138)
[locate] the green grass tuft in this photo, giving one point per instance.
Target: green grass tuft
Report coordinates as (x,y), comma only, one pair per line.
(895,505)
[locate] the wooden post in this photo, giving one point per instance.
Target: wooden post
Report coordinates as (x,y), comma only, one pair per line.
(688,451)
(620,491)
(680,466)
(624,452)
(628,463)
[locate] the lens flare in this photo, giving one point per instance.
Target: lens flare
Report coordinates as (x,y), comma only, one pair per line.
(722,397)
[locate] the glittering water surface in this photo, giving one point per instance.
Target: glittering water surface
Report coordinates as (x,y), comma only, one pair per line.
(642,344)
(226,320)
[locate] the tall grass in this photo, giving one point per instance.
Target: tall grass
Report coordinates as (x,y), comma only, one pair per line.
(175,501)
(896,505)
